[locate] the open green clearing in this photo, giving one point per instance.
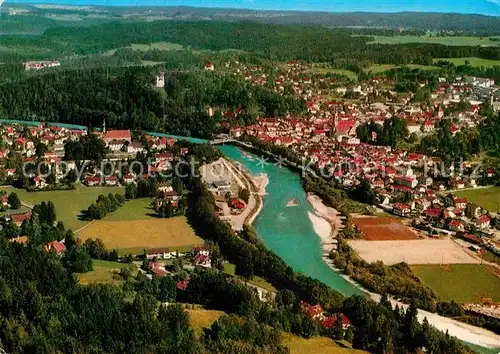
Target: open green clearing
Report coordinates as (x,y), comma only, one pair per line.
(68,203)
(379,68)
(157,45)
(136,209)
(134,227)
(350,74)
(488,198)
(21,210)
(230,268)
(105,272)
(464,283)
(316,345)
(473,61)
(451,41)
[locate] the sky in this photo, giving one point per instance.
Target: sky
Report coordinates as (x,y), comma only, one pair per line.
(486,7)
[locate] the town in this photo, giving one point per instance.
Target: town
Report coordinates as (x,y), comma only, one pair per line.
(186,180)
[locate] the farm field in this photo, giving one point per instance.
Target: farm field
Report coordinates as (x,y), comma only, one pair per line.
(350,74)
(464,283)
(476,62)
(133,236)
(69,204)
(104,272)
(451,41)
(412,252)
(488,198)
(383,229)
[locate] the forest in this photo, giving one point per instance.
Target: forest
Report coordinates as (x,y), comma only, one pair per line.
(125,97)
(465,144)
(271,41)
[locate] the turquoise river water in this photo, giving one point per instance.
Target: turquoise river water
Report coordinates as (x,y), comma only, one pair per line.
(286,230)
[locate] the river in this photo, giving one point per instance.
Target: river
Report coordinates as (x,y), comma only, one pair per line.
(288,231)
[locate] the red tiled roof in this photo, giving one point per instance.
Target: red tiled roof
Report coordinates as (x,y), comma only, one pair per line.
(483,219)
(55,246)
(20,217)
(455,223)
(401,206)
(433,212)
(182,284)
(117,135)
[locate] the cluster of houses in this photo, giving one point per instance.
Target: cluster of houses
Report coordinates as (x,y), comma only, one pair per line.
(21,139)
(37,65)
(58,247)
(226,203)
(406,184)
(316,313)
(199,256)
(391,173)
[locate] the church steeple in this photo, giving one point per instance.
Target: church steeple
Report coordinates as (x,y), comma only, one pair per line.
(104,126)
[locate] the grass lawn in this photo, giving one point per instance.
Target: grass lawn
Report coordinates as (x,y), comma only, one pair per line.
(157,45)
(104,272)
(69,204)
(488,198)
(350,74)
(200,318)
(136,209)
(230,268)
(464,283)
(491,257)
(136,235)
(477,62)
(316,345)
(140,250)
(451,41)
(21,210)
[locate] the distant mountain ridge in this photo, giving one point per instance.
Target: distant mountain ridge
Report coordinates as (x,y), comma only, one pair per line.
(415,20)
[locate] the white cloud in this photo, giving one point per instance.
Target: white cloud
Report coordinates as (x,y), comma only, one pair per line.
(496,2)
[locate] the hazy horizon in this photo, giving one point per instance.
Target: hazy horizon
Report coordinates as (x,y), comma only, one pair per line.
(484,7)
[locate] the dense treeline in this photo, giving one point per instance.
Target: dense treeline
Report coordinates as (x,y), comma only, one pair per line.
(308,42)
(43,309)
(125,98)
(276,42)
(413,22)
(464,144)
(397,280)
